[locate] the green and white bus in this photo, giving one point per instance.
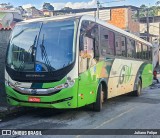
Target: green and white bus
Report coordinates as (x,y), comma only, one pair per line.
(73,61)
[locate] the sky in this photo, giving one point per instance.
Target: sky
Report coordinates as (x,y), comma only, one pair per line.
(58,4)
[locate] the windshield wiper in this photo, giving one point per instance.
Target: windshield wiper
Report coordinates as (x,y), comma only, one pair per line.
(45,56)
(31,50)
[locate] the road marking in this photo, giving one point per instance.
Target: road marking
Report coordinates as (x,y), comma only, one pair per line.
(110,120)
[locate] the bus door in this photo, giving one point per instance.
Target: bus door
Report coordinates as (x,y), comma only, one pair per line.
(87,63)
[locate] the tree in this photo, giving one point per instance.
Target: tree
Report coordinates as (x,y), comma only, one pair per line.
(48,6)
(142,11)
(152,11)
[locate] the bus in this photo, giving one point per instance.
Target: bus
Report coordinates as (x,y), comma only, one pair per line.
(73,61)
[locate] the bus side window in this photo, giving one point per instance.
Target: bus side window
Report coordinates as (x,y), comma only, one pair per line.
(150,53)
(131,48)
(144,54)
(138,50)
(106,42)
(120,42)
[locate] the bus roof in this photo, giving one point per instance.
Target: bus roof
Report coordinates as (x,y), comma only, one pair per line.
(60,17)
(88,17)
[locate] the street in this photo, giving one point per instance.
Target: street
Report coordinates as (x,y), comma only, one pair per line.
(123,112)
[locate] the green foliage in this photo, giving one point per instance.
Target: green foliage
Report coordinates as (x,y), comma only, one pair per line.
(152,11)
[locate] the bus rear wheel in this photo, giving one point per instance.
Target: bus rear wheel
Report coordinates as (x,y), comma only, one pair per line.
(139,89)
(97,106)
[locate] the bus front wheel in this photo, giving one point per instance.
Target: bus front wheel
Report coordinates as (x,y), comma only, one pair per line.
(97,106)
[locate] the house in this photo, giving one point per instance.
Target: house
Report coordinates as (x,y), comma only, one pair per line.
(154,28)
(32,12)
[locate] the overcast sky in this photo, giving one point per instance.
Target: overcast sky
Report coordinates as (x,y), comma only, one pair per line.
(58,4)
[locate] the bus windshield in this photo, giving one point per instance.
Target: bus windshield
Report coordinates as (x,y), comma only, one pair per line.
(41,47)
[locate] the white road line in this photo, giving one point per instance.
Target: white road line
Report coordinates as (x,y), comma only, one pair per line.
(110,120)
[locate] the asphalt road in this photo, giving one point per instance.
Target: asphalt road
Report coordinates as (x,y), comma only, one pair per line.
(123,112)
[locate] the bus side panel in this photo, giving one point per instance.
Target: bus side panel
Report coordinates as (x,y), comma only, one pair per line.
(88,85)
(122,76)
(89,81)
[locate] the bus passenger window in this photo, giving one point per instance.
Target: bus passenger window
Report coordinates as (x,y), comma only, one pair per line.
(106,42)
(139,50)
(149,53)
(145,50)
(131,48)
(120,43)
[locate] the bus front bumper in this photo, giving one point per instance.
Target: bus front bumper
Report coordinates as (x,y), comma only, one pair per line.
(64,99)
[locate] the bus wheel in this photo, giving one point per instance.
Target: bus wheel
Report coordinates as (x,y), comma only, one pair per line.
(139,89)
(97,106)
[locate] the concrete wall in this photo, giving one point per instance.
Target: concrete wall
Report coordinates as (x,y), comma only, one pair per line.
(153,29)
(133,24)
(4,37)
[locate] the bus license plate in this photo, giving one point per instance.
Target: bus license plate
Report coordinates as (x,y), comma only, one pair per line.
(34,99)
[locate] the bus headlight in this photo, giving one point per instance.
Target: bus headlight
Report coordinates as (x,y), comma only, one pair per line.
(68,84)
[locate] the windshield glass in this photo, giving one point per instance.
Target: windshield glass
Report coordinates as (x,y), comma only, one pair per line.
(21,52)
(55,46)
(41,49)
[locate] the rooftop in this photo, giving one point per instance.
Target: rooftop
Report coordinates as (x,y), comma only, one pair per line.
(94,9)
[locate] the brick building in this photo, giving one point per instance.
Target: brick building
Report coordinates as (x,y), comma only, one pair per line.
(124,18)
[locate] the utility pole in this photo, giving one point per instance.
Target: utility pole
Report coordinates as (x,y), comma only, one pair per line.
(98,8)
(147,18)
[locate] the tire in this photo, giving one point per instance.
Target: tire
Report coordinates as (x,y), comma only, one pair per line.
(97,106)
(139,89)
